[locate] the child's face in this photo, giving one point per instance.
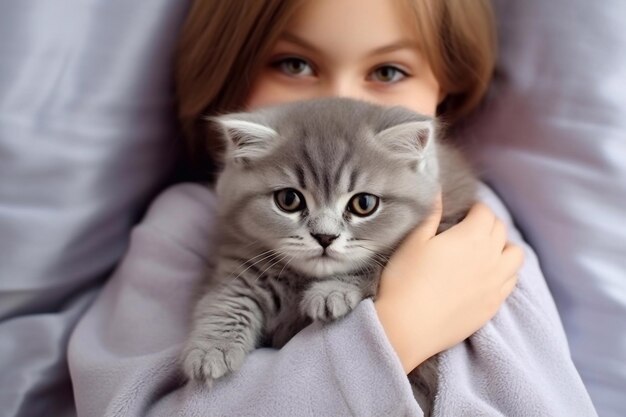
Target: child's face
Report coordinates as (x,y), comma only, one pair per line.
(364,49)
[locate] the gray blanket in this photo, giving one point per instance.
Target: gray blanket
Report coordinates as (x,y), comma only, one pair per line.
(123,354)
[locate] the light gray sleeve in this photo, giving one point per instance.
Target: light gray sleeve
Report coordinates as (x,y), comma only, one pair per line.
(123,355)
(519,363)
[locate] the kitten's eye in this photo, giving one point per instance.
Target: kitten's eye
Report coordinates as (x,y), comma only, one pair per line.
(388,74)
(363,204)
(294,66)
(289,200)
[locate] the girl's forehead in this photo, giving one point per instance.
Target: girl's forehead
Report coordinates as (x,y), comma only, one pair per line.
(360,24)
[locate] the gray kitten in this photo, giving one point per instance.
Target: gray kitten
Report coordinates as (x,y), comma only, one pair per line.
(313,199)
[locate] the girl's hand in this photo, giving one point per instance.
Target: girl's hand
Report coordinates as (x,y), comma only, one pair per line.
(437,290)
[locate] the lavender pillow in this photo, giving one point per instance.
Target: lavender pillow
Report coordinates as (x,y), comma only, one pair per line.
(551,140)
(87,136)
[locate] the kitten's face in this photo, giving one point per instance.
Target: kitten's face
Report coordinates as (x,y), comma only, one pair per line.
(332,193)
(319,230)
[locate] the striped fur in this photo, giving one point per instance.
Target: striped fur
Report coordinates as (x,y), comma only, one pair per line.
(273,276)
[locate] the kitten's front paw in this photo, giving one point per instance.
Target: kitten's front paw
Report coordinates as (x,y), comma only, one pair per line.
(330,300)
(207,361)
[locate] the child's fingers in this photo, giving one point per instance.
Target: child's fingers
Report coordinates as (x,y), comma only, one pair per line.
(498,234)
(513,257)
(508,286)
(428,228)
(479,219)
(511,261)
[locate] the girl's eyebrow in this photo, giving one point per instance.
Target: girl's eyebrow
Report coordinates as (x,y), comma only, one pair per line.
(394,46)
(401,44)
(290,37)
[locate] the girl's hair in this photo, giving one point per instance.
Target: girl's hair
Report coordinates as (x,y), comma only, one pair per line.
(459,41)
(224,43)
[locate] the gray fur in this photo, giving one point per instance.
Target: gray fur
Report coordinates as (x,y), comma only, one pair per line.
(271,278)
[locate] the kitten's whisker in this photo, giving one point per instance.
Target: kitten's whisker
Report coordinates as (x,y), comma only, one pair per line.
(373,251)
(285,266)
(378,263)
(363,269)
(378,258)
(270,256)
(251,244)
(271,265)
(251,259)
(377,244)
(261,254)
(381,259)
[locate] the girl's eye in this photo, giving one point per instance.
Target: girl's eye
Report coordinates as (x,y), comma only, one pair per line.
(289,200)
(388,74)
(294,66)
(363,204)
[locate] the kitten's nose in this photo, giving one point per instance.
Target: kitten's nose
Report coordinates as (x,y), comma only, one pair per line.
(324,240)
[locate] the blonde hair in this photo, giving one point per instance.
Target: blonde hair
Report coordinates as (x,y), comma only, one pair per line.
(223,43)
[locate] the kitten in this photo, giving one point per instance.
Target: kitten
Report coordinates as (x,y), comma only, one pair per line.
(313,199)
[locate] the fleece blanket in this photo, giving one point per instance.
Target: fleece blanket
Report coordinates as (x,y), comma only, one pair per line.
(124,352)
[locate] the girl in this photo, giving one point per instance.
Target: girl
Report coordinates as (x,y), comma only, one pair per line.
(433,57)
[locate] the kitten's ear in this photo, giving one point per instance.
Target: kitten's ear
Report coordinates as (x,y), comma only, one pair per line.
(246,139)
(410,140)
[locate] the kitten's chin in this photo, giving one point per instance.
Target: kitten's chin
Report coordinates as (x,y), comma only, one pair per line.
(323,266)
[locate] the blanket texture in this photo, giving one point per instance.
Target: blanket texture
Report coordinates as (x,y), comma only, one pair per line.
(123,354)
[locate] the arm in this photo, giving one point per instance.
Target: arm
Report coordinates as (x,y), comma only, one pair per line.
(440,289)
(519,363)
(124,353)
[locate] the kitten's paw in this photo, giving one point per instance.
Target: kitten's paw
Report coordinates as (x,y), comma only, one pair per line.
(208,361)
(330,300)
